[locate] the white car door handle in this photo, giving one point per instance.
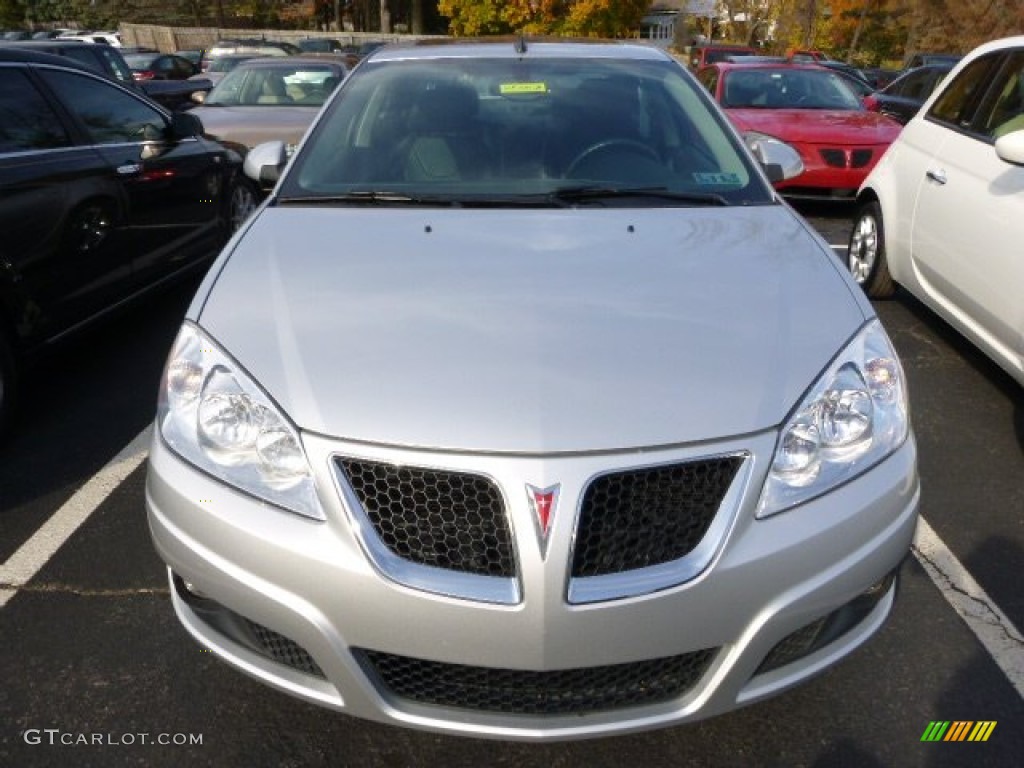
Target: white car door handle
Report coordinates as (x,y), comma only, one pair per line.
(938,176)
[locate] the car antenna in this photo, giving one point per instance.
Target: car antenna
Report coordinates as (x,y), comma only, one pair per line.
(521,43)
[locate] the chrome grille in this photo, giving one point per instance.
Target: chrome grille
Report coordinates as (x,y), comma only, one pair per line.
(529,692)
(649,516)
(450,520)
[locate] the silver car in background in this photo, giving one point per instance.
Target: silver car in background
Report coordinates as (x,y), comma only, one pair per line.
(525,409)
(262,99)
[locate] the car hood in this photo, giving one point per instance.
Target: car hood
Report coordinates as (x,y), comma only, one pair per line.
(818,126)
(531,331)
(250,126)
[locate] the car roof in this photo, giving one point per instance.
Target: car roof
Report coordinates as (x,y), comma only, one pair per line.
(506,48)
(728,66)
(11,51)
(56,44)
(276,62)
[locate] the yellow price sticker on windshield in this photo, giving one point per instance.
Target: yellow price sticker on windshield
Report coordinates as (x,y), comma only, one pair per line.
(511,88)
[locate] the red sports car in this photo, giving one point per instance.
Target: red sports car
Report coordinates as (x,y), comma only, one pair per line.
(811,109)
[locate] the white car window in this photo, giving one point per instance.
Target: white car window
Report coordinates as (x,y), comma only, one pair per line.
(1007,112)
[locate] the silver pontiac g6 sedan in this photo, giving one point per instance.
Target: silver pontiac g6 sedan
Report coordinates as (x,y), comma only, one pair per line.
(524,408)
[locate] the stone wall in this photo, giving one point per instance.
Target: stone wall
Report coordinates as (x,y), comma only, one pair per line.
(168,39)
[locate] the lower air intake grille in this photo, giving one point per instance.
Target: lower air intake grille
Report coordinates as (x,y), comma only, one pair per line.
(565,691)
(649,516)
(281,649)
(860,157)
(835,158)
(443,519)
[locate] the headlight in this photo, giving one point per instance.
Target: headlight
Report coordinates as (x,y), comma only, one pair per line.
(214,416)
(852,418)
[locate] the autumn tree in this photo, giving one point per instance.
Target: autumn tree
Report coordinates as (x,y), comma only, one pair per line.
(573,18)
(869,31)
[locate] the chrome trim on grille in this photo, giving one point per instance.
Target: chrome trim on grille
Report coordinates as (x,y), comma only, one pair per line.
(459,584)
(642,581)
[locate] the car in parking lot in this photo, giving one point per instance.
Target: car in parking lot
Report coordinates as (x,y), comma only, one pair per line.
(103,197)
(160,66)
(704,54)
(108,61)
(943,214)
(525,353)
(901,98)
(262,99)
(811,109)
(250,46)
(221,65)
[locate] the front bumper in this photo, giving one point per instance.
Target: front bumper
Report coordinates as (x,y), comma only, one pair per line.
(839,178)
(304,607)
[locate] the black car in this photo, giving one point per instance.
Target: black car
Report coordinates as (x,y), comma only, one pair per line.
(903,97)
(927,59)
(103,196)
(160,66)
(108,61)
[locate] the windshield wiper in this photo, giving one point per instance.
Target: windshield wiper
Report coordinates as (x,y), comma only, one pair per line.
(597,193)
(364,197)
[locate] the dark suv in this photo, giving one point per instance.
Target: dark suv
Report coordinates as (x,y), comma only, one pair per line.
(103,196)
(109,62)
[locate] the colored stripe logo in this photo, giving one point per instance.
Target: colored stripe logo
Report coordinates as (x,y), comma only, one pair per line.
(958,730)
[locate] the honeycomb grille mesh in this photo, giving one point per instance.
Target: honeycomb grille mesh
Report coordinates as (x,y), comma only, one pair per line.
(793,647)
(567,691)
(645,517)
(285,651)
(443,519)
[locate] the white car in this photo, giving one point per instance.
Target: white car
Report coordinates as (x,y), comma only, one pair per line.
(943,212)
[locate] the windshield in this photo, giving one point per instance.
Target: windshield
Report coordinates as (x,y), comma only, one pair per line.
(764,88)
(280,85)
(523,131)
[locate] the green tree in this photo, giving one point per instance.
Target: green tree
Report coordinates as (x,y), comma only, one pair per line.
(12,13)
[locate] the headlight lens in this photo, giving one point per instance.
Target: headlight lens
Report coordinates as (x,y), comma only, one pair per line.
(853,417)
(214,416)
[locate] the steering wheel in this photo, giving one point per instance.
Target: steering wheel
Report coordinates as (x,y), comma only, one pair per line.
(611,145)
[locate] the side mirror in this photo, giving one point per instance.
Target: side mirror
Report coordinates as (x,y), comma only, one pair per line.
(198,97)
(185,126)
(779,160)
(265,162)
(1010,146)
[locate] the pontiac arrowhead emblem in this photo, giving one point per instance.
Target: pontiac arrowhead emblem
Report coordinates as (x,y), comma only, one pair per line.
(543,503)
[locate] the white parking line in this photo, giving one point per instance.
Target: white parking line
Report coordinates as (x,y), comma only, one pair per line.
(991,626)
(34,553)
